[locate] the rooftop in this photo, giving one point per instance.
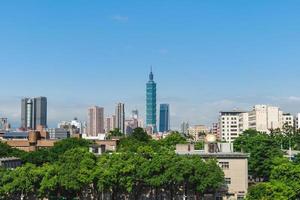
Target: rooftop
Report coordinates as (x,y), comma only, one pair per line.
(8,158)
(15,135)
(215,155)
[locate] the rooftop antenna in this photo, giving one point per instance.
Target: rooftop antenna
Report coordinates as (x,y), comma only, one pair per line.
(151,74)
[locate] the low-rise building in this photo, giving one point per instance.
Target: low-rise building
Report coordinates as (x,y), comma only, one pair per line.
(101,146)
(58,133)
(233,164)
(28,141)
(10,162)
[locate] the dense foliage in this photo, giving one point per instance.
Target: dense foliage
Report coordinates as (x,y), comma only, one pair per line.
(280,177)
(262,148)
(284,183)
(140,167)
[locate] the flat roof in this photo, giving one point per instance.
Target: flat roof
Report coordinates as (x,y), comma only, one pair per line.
(234,111)
(15,134)
(9,158)
(214,155)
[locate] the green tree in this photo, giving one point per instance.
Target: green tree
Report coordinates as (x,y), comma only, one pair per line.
(270,191)
(262,148)
(7,151)
(69,177)
(172,139)
(22,182)
(140,135)
(115,133)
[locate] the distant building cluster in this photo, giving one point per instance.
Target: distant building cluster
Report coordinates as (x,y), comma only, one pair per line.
(262,118)
(34,112)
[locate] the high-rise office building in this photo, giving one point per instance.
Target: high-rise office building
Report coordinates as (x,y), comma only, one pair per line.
(151,103)
(120,117)
(184,127)
(108,124)
(164,118)
(135,114)
(95,121)
(34,112)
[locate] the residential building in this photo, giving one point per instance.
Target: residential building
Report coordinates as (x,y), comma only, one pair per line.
(216,130)
(151,103)
(198,132)
(120,117)
(95,121)
(229,125)
(243,122)
(34,112)
(164,118)
(10,162)
(233,164)
(108,124)
(297,121)
(73,127)
(113,122)
(264,118)
(288,119)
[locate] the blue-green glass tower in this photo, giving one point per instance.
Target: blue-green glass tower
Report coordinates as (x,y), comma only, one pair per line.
(151,103)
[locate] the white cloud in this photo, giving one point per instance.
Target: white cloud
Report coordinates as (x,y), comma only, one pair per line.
(293,98)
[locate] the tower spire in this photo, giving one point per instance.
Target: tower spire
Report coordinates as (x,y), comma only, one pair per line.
(151,74)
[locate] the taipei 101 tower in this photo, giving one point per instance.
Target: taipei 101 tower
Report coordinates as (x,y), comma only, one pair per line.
(151,103)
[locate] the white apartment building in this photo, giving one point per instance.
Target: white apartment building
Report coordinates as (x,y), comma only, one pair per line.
(297,120)
(243,121)
(288,119)
(229,125)
(263,118)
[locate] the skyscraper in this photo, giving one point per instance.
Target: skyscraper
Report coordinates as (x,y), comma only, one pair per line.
(151,103)
(34,112)
(108,124)
(95,121)
(164,118)
(120,117)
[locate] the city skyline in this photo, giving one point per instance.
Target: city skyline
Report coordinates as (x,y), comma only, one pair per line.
(206,56)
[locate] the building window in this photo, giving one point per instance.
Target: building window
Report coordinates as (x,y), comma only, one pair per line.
(227,181)
(224,165)
(240,197)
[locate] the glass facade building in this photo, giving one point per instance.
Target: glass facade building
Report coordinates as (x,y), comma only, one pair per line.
(34,112)
(151,103)
(164,118)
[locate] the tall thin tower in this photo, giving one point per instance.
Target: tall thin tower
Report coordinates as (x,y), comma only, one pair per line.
(151,102)
(120,117)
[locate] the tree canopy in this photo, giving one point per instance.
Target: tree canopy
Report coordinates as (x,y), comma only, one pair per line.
(141,166)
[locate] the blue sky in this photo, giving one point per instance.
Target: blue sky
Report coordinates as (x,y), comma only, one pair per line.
(207,56)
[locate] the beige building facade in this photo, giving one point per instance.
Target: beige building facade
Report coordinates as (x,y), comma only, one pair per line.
(95,121)
(233,164)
